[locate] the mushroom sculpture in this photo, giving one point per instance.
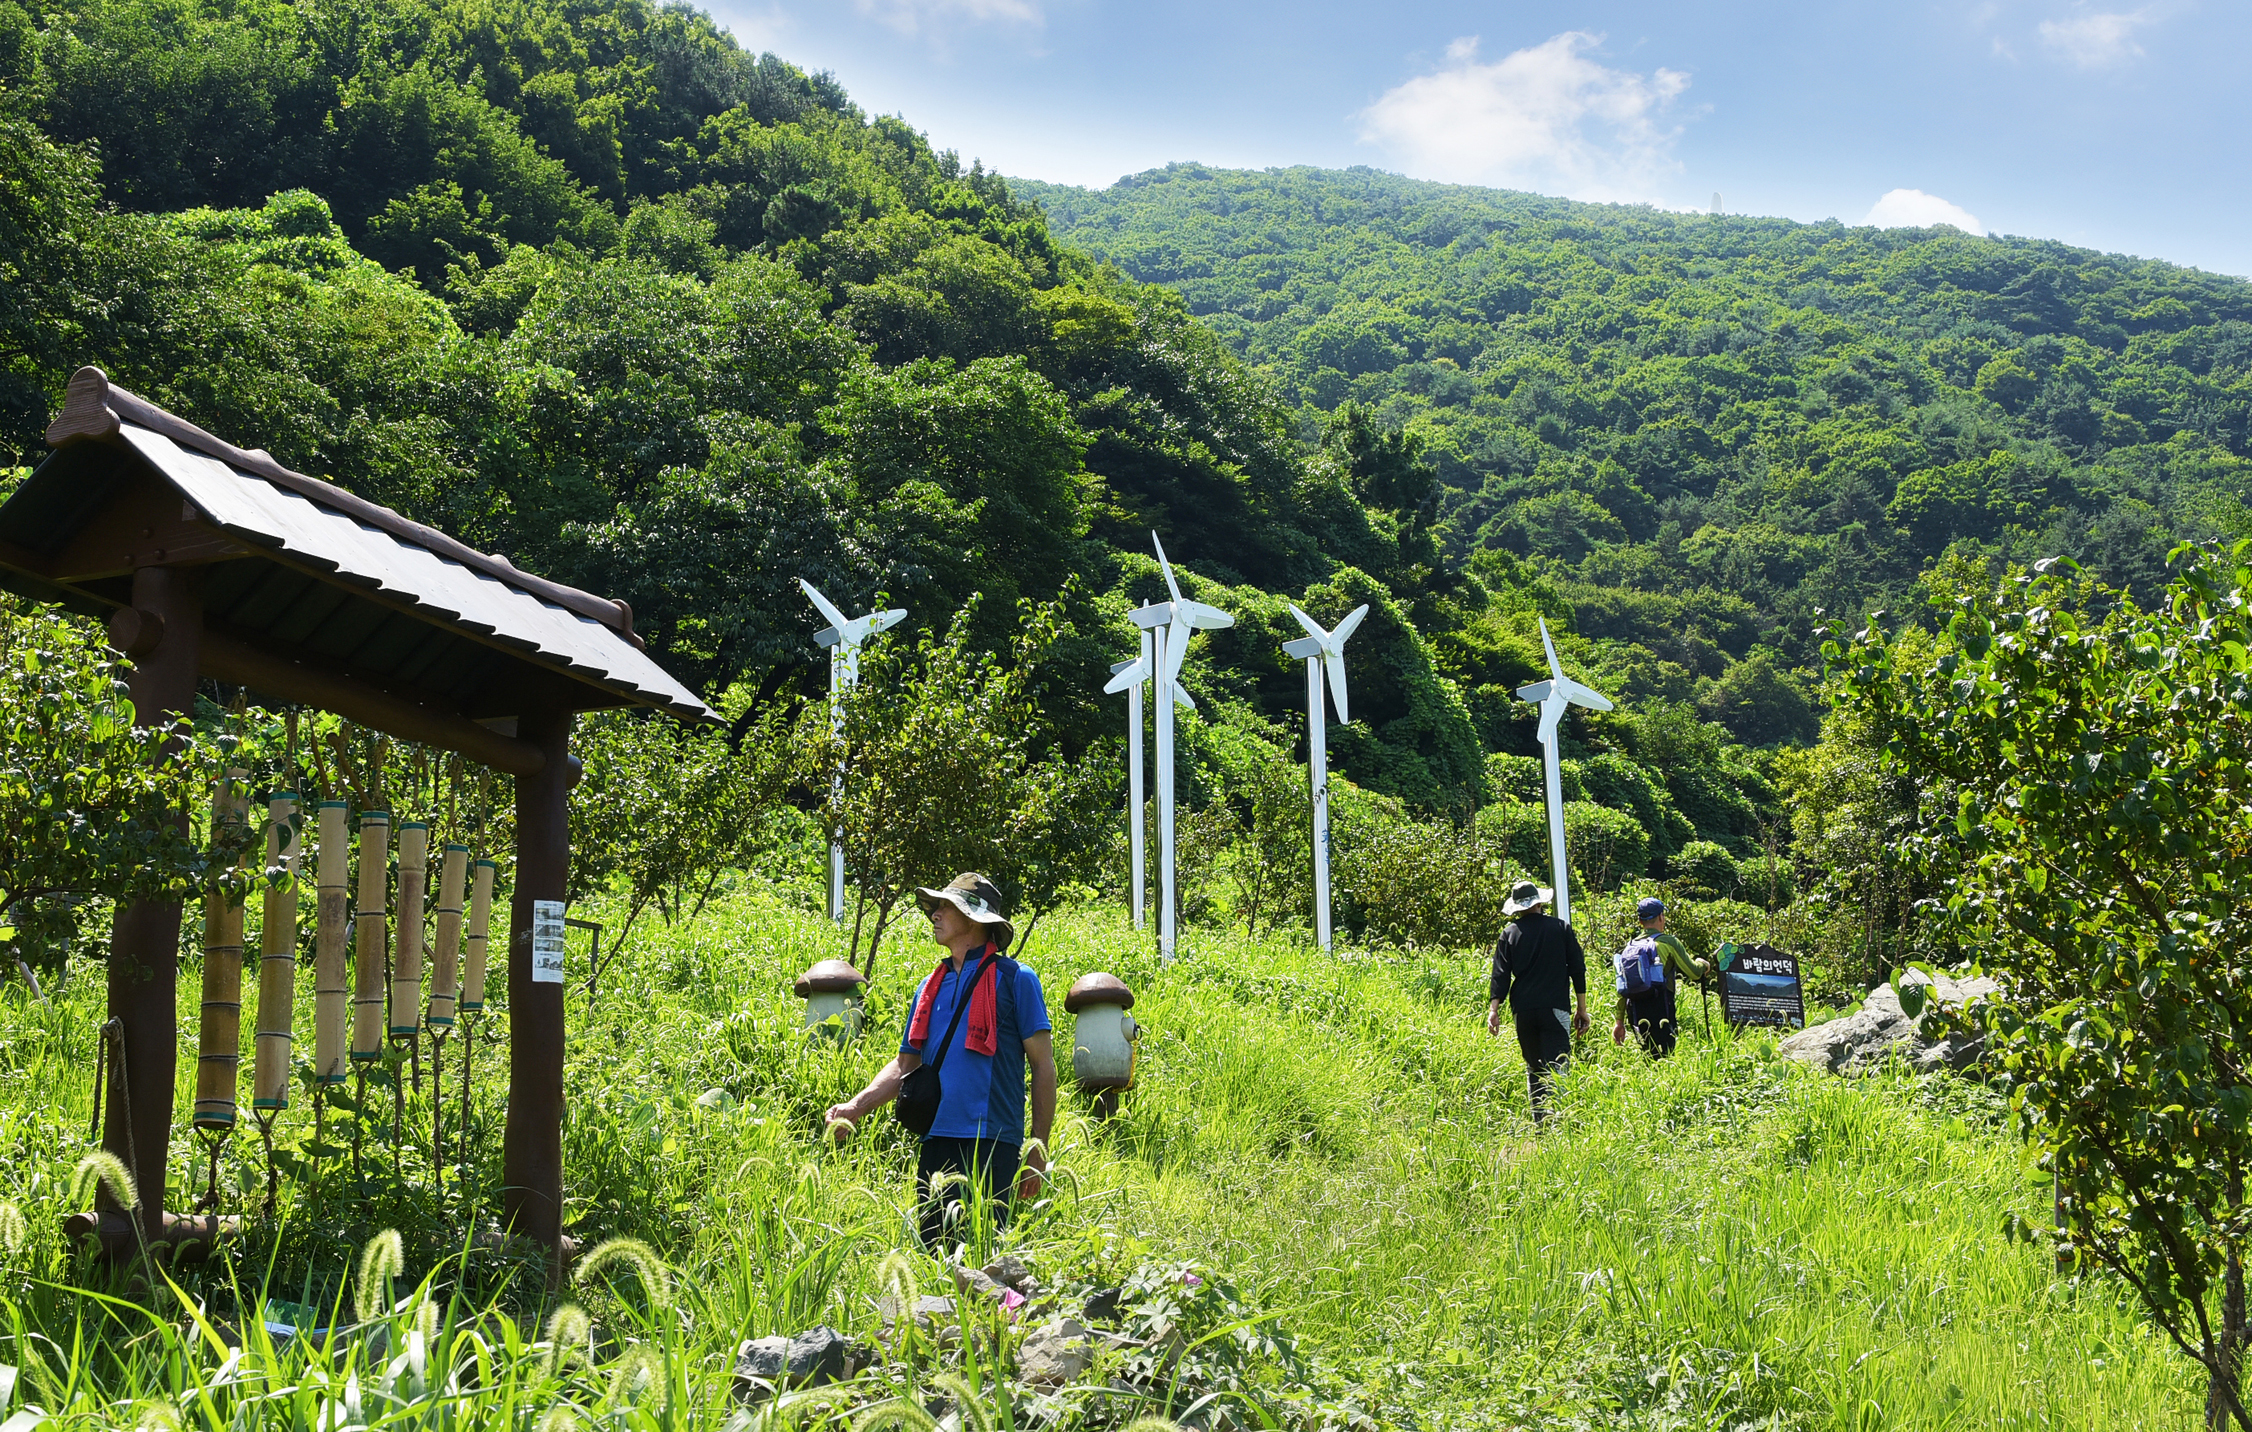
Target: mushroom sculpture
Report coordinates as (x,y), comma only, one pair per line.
(831,991)
(1102,1048)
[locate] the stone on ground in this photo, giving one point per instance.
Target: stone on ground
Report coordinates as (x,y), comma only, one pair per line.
(1055,1352)
(810,1359)
(1880,1028)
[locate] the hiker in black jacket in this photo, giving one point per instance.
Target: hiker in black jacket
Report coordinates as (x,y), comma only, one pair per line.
(1536,962)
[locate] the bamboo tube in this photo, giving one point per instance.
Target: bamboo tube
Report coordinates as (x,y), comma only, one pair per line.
(219,1051)
(368,945)
(330,921)
(480,924)
(277,957)
(406,970)
(445,962)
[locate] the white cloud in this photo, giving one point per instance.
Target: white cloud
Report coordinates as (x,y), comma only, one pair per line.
(1914,209)
(912,17)
(2096,41)
(1546,118)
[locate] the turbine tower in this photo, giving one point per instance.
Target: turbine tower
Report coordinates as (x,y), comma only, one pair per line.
(1169,624)
(1553,695)
(1322,649)
(1128,676)
(844,639)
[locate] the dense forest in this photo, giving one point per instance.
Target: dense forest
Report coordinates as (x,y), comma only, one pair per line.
(590,285)
(1704,429)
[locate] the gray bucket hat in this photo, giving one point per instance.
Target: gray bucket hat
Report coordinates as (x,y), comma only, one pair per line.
(976,897)
(1525,895)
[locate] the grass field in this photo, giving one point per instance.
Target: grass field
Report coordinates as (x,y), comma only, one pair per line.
(1334,1148)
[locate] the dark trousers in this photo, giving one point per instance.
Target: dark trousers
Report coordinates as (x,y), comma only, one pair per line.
(990,1167)
(1546,1042)
(1651,1017)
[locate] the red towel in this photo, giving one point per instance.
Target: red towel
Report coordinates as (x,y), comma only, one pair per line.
(983,1006)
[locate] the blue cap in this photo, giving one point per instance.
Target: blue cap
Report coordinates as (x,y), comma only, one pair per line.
(1649,907)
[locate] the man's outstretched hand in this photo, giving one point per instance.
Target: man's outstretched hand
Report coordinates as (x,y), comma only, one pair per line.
(1032,1178)
(842,1122)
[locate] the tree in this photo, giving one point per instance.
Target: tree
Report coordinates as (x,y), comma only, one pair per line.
(2089,765)
(89,802)
(936,742)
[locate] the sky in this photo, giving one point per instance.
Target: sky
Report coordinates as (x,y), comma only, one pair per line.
(2116,128)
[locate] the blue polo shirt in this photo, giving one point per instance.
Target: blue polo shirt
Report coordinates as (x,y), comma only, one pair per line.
(981,1096)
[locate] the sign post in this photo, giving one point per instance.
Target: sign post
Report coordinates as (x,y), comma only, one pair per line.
(1759,987)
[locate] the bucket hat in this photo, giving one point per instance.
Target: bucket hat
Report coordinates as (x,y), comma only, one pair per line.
(976,897)
(1525,895)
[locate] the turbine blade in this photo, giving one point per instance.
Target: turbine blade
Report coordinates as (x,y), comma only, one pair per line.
(1350,625)
(1181,698)
(1555,667)
(885,621)
(1170,585)
(1313,628)
(1132,673)
(1176,645)
(1206,618)
(1535,693)
(1333,662)
(1580,695)
(827,607)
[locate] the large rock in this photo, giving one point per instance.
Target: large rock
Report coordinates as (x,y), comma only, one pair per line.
(810,1359)
(1054,1353)
(1880,1028)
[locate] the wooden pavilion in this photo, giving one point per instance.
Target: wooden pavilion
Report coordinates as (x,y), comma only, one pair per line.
(210,561)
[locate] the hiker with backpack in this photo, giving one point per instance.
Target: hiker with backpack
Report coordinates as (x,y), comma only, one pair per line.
(1541,971)
(980,1024)
(1646,971)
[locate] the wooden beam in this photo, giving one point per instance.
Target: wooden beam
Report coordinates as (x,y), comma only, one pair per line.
(231,659)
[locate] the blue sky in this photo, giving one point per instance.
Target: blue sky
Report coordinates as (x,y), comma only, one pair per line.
(2116,126)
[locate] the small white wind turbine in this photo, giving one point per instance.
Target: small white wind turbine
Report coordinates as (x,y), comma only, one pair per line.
(1322,649)
(1553,695)
(1169,624)
(1128,676)
(844,639)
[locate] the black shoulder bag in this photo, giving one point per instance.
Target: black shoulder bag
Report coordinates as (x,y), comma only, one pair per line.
(919,1091)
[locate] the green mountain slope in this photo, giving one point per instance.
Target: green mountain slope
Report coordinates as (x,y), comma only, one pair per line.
(1702,429)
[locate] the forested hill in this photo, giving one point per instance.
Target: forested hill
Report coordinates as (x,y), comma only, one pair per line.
(1705,427)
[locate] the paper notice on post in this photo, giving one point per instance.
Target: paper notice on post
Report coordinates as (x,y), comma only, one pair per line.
(547,942)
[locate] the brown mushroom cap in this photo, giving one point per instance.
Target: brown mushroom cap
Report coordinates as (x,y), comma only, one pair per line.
(829,977)
(1098,988)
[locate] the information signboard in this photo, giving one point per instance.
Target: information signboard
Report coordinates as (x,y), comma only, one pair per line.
(1759,985)
(547,942)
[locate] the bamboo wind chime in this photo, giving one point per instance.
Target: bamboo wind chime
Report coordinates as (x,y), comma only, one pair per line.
(472,999)
(277,977)
(331,934)
(219,1051)
(369,956)
(445,974)
(406,971)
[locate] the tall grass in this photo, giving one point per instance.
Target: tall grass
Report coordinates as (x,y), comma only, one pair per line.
(1719,1240)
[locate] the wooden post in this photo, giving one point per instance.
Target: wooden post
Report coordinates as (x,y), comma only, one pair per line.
(219,1027)
(330,991)
(532,1146)
(144,964)
(277,960)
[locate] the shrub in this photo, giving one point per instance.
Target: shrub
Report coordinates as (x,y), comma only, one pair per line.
(1704,871)
(1604,846)
(1767,880)
(1615,781)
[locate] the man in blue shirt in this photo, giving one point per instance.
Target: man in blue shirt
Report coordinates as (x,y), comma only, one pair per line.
(981,1018)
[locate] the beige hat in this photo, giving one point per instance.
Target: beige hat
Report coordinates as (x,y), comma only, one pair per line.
(1525,895)
(976,897)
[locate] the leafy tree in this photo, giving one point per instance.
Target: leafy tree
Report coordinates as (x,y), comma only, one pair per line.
(2083,763)
(89,802)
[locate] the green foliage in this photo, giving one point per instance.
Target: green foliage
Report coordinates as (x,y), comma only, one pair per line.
(1653,408)
(2080,766)
(87,799)
(1604,846)
(1704,871)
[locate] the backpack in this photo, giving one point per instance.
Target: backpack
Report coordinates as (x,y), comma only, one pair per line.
(1641,967)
